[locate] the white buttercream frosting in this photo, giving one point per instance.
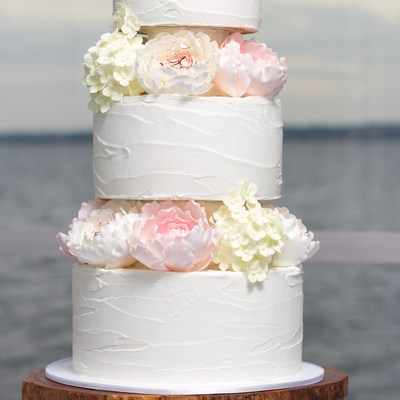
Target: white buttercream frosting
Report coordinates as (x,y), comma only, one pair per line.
(242,15)
(165,327)
(176,147)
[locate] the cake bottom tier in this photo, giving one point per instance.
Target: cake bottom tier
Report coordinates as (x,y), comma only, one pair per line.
(182,328)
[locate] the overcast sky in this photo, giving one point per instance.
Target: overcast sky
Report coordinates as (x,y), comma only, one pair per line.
(343,57)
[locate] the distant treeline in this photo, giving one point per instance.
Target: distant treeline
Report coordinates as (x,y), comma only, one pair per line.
(48,137)
(354,132)
(290,132)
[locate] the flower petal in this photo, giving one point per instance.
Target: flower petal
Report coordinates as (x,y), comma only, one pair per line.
(299,246)
(178,258)
(197,241)
(146,257)
(181,63)
(62,243)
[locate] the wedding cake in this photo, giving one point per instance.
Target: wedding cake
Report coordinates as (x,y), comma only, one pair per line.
(184,273)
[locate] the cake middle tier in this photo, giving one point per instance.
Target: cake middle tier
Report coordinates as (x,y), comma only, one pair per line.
(175,147)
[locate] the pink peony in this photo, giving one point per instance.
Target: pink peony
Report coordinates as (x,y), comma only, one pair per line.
(249,68)
(168,237)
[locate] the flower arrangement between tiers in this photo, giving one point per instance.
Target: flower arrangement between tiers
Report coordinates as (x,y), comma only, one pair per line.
(242,235)
(184,62)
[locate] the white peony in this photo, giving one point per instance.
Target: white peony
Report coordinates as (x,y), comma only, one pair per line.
(299,246)
(181,63)
(110,70)
(100,234)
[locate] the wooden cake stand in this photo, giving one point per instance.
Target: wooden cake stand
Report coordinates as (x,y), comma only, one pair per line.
(333,387)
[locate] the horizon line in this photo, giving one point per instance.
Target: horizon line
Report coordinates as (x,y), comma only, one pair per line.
(290,131)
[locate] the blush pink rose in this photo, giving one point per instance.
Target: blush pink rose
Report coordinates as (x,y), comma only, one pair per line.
(168,237)
(249,68)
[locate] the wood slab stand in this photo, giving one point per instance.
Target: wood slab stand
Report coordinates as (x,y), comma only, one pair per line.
(333,387)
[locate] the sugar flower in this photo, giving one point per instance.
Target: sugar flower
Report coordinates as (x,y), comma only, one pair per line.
(110,71)
(99,235)
(169,237)
(251,235)
(110,65)
(125,22)
(181,63)
(249,68)
(299,246)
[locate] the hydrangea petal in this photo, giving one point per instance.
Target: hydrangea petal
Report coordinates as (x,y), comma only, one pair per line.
(245,245)
(113,57)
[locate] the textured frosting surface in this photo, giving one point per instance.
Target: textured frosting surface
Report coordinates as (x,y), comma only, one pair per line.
(244,15)
(163,327)
(174,147)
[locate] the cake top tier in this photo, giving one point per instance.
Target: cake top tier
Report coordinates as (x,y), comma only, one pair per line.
(241,15)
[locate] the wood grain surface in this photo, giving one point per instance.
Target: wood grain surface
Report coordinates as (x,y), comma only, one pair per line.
(37,387)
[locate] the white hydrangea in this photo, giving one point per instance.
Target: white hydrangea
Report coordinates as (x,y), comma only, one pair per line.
(251,234)
(110,70)
(100,234)
(110,65)
(124,22)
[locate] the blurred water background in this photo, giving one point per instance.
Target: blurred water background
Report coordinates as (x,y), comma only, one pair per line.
(335,180)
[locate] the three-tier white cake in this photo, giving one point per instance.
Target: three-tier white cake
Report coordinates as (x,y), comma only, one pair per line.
(184,274)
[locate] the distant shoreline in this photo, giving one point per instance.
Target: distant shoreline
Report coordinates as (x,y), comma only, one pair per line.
(290,132)
(339,247)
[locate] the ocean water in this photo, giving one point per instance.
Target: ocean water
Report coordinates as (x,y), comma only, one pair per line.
(351,311)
